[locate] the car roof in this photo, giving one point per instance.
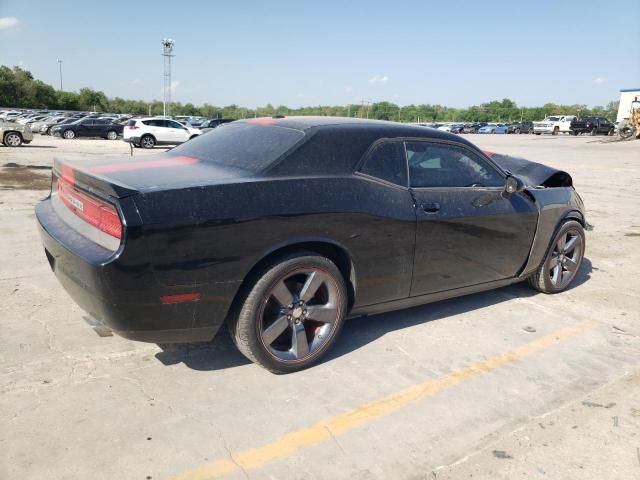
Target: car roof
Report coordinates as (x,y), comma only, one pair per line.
(392,129)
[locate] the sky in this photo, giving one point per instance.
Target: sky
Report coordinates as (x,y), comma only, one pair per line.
(328,52)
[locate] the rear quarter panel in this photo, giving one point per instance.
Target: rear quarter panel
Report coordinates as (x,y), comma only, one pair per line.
(206,235)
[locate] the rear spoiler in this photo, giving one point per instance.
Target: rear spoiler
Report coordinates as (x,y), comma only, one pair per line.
(93,182)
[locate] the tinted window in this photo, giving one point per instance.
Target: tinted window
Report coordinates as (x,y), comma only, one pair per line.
(172,124)
(242,145)
(152,123)
(436,165)
(387,162)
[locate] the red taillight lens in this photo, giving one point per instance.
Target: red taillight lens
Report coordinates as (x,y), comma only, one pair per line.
(95,212)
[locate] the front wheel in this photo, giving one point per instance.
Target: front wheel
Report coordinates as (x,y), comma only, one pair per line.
(555,131)
(292,314)
(69,134)
(594,132)
(563,259)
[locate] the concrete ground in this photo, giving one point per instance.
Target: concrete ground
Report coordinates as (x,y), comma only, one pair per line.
(500,385)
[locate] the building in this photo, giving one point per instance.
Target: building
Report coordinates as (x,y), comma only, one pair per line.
(627,96)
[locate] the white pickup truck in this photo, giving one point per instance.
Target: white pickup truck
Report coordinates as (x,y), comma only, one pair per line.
(554,124)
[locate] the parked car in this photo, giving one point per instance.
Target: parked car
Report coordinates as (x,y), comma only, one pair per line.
(88,127)
(592,126)
(283,227)
(494,128)
(554,124)
(14,134)
(36,126)
(213,123)
(526,127)
(473,127)
(149,132)
(45,128)
(10,114)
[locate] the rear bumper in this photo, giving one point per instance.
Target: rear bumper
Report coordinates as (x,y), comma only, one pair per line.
(125,296)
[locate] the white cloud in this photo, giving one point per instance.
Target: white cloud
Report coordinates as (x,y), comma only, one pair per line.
(600,80)
(300,95)
(174,85)
(136,81)
(21,64)
(396,96)
(8,22)
(379,79)
(348,89)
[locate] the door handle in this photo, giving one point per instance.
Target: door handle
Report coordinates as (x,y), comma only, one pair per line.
(431,207)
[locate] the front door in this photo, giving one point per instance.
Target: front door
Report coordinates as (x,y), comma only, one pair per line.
(468,232)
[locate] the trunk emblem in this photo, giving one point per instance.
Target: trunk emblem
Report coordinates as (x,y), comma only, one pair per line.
(76,203)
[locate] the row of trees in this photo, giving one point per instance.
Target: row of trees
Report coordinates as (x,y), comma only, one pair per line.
(18,89)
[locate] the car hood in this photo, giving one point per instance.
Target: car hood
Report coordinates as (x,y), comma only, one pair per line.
(531,173)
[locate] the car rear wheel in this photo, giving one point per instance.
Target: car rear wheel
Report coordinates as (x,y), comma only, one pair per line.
(292,314)
(12,139)
(563,259)
(69,134)
(112,135)
(147,141)
(556,131)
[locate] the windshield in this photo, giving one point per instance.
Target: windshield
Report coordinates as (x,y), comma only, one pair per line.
(242,145)
(553,119)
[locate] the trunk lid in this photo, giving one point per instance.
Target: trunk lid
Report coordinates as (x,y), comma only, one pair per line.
(125,176)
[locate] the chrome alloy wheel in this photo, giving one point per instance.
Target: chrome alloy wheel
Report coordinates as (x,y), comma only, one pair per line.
(298,314)
(565,259)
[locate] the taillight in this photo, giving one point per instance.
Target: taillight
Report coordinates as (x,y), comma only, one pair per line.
(94,211)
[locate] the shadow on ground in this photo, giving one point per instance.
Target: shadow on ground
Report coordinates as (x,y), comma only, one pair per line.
(221,353)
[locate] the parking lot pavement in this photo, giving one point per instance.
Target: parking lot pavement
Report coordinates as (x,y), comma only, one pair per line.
(496,385)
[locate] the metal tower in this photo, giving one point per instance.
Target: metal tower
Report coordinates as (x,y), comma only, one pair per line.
(167,53)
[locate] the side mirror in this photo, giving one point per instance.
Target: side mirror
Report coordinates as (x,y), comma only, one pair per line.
(512,185)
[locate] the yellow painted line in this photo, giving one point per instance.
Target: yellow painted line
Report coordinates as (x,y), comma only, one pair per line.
(306,437)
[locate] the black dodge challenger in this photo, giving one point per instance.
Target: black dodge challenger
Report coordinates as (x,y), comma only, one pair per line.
(282,227)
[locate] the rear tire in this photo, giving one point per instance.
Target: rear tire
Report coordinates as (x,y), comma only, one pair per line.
(556,130)
(147,141)
(594,132)
(291,314)
(12,139)
(562,261)
(112,135)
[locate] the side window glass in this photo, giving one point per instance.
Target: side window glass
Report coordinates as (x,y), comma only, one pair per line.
(387,162)
(438,165)
(174,124)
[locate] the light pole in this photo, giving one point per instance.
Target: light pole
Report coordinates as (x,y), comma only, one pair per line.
(167,53)
(60,70)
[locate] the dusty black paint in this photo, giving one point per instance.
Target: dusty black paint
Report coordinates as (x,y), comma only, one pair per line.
(203,227)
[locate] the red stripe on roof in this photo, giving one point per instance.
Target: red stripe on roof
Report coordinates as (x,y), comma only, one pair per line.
(262,121)
(145,164)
